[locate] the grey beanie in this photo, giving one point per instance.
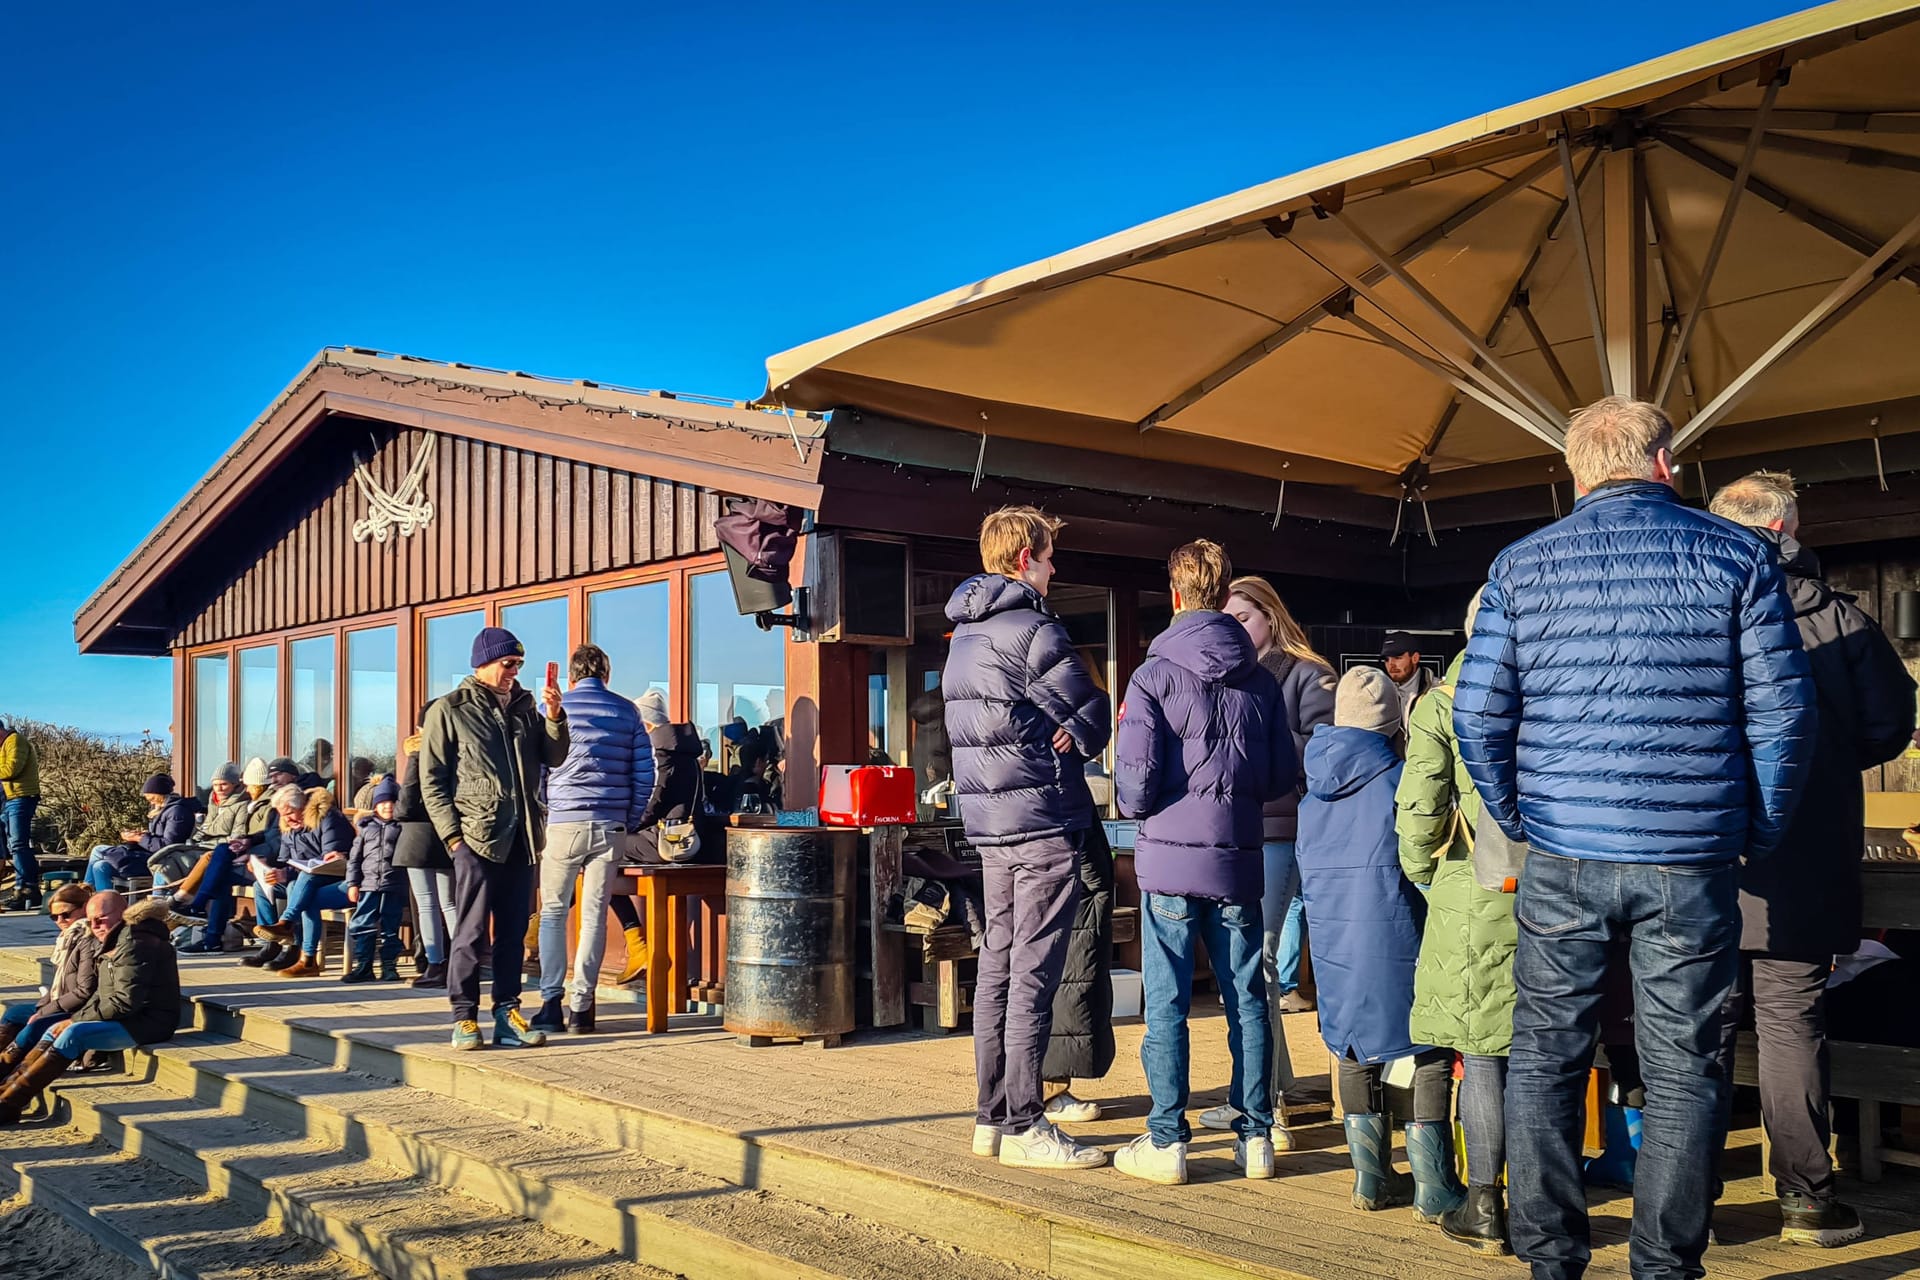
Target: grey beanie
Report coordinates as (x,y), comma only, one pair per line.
(1366,699)
(228,773)
(1473,609)
(653,709)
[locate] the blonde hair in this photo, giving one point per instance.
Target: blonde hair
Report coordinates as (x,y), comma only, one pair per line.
(1758,499)
(1288,636)
(1199,571)
(1005,533)
(1616,438)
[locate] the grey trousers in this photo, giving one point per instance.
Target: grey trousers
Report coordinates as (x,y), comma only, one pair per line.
(1031,892)
(589,852)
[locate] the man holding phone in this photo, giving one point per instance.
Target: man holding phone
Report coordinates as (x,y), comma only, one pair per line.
(481,751)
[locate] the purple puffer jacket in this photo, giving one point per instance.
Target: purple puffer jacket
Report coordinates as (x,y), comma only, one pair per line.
(1204,743)
(1012,678)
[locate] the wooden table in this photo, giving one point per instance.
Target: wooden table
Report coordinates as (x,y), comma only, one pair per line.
(665,893)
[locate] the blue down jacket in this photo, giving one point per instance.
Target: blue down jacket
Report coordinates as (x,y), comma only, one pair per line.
(1203,744)
(1635,689)
(1012,678)
(1364,914)
(370,861)
(608,773)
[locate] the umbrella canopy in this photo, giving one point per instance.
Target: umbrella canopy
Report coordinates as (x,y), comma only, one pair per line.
(1423,315)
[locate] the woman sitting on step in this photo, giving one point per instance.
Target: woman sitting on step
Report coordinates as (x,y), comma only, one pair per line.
(22,1025)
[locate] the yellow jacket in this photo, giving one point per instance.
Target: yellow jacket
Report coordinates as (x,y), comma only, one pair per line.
(19,767)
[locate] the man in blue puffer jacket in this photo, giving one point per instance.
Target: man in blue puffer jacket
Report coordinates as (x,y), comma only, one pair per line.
(594,801)
(1635,704)
(1024,716)
(1204,743)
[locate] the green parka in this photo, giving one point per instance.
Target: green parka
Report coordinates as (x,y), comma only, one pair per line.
(1463,985)
(480,768)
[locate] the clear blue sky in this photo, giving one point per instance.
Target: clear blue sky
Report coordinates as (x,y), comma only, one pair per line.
(197,197)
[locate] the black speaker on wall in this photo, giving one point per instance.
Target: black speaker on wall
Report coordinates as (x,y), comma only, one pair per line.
(1906,615)
(754,595)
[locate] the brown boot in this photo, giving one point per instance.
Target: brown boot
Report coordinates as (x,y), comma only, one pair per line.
(305,967)
(13,1055)
(40,1069)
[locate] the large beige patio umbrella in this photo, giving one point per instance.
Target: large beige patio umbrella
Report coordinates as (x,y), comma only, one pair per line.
(1419,318)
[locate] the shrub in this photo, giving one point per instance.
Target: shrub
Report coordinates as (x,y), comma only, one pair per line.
(89,785)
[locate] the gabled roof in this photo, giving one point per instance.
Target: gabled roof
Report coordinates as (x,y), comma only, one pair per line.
(720,444)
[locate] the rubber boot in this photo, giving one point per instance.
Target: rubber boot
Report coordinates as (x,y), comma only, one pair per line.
(263,956)
(40,1069)
(1613,1167)
(1376,1185)
(636,956)
(1436,1188)
(433,977)
(1480,1223)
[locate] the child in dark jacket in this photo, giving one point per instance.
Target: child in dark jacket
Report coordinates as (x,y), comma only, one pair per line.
(1203,744)
(1366,918)
(377,889)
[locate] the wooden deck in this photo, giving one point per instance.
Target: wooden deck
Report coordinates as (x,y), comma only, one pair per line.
(900,1105)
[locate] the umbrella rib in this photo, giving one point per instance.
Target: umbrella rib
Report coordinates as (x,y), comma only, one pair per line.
(1510,412)
(1867,279)
(1313,315)
(1585,251)
(1755,137)
(1858,157)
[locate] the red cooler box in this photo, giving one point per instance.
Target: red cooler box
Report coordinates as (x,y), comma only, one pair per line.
(866,795)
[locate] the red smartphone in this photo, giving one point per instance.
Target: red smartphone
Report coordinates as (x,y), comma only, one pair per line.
(553,675)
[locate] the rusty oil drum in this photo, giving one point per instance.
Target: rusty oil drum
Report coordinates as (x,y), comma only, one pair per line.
(790,913)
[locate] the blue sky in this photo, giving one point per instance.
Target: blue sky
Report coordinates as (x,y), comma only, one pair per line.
(198,197)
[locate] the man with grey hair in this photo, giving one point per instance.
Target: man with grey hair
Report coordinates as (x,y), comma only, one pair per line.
(1635,705)
(1801,906)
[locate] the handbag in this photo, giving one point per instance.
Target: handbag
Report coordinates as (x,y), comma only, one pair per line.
(680,841)
(1496,856)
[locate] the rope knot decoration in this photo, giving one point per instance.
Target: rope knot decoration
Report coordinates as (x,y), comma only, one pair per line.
(407,507)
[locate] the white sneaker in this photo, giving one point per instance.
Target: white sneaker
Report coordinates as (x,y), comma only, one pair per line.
(1255,1155)
(1282,1138)
(1045,1147)
(1141,1159)
(986,1140)
(1220,1117)
(1067,1109)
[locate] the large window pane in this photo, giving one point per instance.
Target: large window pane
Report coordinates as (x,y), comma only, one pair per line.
(259,705)
(211,724)
(633,625)
(373,700)
(311,663)
(450,651)
(739,671)
(541,627)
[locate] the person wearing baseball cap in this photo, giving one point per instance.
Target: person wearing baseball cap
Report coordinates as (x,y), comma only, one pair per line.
(482,749)
(1400,655)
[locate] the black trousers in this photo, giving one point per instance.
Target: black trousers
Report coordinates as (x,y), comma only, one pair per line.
(492,903)
(1788,999)
(1360,1091)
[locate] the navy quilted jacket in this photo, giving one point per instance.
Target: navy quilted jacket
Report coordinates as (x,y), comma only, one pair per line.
(370,863)
(1204,742)
(1635,689)
(608,773)
(1012,678)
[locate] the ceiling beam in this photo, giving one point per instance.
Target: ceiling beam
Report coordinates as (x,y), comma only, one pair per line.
(1584,253)
(1800,121)
(1793,144)
(1625,265)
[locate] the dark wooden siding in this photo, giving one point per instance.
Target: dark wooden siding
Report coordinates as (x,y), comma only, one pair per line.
(503,519)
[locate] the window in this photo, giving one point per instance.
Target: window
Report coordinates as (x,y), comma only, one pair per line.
(634,626)
(373,701)
(211,722)
(541,626)
(259,704)
(739,671)
(310,727)
(449,650)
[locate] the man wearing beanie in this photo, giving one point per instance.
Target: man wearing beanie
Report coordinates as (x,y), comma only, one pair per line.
(1203,744)
(1366,919)
(377,889)
(481,751)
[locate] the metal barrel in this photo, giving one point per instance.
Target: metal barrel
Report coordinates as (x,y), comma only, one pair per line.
(790,914)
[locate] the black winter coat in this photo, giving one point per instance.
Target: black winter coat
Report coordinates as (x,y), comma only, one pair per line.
(676,794)
(370,863)
(1012,678)
(1802,901)
(139,982)
(1081,1044)
(419,844)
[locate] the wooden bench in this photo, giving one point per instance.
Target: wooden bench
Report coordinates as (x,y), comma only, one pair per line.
(1872,1075)
(943,994)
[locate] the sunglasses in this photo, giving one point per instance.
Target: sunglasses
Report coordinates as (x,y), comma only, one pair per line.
(63,916)
(512,664)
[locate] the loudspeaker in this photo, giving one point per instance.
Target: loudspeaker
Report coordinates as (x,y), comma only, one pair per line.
(860,588)
(750,594)
(1906,615)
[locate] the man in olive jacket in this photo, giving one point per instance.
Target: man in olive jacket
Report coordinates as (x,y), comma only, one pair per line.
(481,751)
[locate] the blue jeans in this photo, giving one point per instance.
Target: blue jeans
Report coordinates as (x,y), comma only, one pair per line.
(376,919)
(310,896)
(1285,913)
(1681,925)
(99,871)
(79,1037)
(17,816)
(31,1028)
(1483,1114)
(1170,925)
(214,898)
(266,901)
(432,909)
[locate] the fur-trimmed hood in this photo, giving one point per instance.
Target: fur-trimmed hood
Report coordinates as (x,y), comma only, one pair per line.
(146,909)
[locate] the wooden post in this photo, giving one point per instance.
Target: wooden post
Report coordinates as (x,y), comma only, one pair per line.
(888,947)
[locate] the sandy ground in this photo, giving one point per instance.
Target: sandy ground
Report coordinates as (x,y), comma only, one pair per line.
(38,1245)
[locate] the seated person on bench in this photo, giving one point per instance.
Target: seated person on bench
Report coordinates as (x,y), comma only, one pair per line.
(314,841)
(169,822)
(135,1001)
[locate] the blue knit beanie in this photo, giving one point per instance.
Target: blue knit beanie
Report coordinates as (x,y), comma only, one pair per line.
(387,790)
(495,643)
